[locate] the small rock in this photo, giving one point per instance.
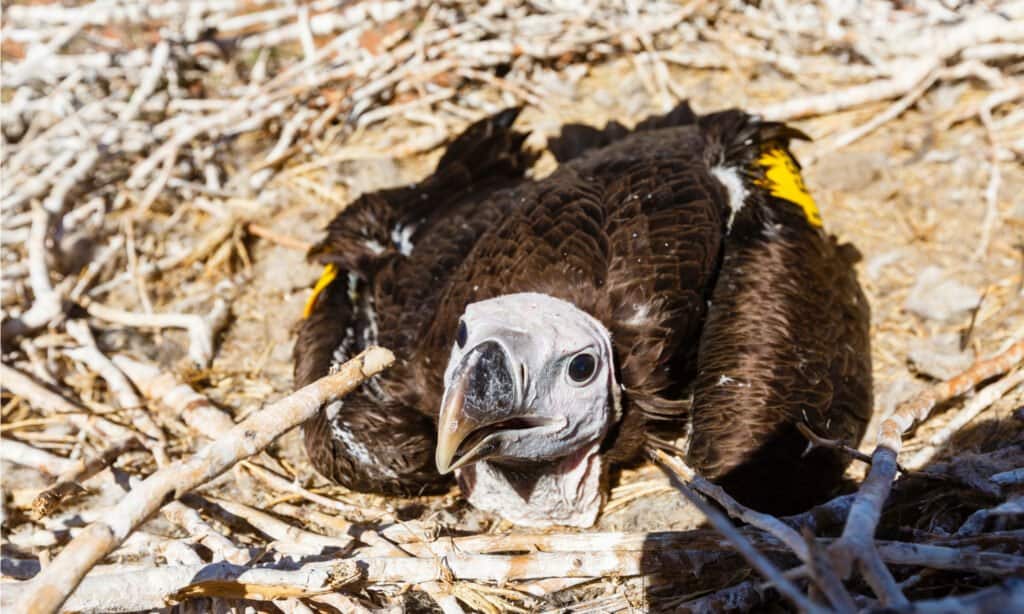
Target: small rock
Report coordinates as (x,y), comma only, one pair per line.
(877,263)
(849,171)
(939,357)
(936,296)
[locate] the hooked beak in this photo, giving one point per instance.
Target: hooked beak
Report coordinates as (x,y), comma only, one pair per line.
(481,403)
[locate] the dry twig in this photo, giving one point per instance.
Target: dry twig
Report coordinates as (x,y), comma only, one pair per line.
(51,587)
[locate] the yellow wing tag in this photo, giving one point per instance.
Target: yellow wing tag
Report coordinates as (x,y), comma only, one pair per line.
(783,180)
(330,272)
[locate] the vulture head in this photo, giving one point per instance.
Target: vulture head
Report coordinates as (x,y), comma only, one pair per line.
(530,392)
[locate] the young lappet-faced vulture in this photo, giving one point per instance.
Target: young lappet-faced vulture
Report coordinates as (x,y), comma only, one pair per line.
(667,283)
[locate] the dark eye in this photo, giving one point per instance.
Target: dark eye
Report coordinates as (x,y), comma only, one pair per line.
(582,367)
(461,335)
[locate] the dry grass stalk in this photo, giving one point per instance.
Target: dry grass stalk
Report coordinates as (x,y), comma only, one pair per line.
(52,587)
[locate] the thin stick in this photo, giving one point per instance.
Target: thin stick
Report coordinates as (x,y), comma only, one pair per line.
(263,232)
(69,481)
(29,456)
(977,404)
(49,402)
(765,522)
(201,329)
(47,304)
(297,540)
(53,586)
(722,524)
(856,543)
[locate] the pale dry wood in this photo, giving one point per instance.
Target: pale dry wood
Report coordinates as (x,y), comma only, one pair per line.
(202,329)
(127,399)
(766,568)
(49,403)
(291,539)
(907,75)
(146,588)
(971,409)
(194,409)
(29,456)
(190,520)
(52,587)
(47,303)
(69,481)
(857,542)
(206,419)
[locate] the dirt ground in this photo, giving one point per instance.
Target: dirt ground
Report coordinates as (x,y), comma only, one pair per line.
(932,198)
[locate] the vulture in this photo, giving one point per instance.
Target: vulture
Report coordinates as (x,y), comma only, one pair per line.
(669,285)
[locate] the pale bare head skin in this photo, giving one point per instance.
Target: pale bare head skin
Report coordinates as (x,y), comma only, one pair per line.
(530,385)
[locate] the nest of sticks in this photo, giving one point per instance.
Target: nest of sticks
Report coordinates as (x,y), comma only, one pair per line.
(166,164)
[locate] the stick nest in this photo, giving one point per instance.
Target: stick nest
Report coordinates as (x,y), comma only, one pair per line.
(165,166)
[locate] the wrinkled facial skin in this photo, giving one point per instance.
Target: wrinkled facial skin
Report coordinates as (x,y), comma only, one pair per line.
(529,379)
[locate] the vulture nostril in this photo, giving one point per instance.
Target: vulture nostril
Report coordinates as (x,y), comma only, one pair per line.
(490,389)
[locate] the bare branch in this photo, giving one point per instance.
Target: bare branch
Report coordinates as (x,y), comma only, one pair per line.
(58,581)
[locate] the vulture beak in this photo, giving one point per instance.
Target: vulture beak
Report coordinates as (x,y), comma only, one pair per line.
(482,402)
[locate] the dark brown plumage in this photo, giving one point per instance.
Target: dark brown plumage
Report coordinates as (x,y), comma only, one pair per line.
(740,316)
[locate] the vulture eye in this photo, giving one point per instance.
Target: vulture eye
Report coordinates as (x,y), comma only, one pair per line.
(461,334)
(582,367)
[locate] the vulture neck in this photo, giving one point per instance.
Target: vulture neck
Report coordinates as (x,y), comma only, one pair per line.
(565,492)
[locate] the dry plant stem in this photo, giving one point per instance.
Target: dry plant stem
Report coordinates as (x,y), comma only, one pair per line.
(29,456)
(825,577)
(206,419)
(190,520)
(263,232)
(148,589)
(112,248)
(194,409)
(823,104)
(201,329)
(1007,597)
(47,303)
(974,406)
(440,592)
(294,537)
(857,541)
(39,183)
(1009,478)
(908,74)
(745,548)
(69,481)
(91,356)
(57,200)
(49,402)
(817,441)
(127,399)
(975,523)
(283,484)
(894,111)
(765,522)
(143,589)
(742,597)
(52,587)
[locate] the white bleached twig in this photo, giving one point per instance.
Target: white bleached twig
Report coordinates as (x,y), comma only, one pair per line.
(55,583)
(201,329)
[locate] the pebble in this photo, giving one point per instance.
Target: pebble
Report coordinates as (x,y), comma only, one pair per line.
(937,296)
(939,357)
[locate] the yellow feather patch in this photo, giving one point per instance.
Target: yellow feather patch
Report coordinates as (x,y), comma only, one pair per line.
(330,272)
(783,180)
